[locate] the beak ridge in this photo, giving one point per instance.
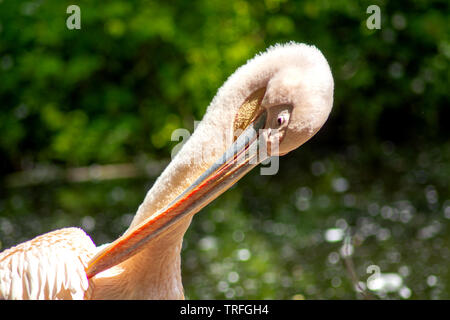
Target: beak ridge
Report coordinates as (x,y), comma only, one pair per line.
(239,159)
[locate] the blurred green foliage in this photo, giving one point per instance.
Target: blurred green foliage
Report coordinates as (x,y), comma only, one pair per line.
(115,90)
(139,69)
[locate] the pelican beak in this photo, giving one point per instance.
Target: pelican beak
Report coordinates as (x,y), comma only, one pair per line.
(243,155)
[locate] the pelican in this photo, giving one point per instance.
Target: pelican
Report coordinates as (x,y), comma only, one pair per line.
(275,102)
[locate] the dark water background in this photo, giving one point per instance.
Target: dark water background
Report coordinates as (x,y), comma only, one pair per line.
(311,231)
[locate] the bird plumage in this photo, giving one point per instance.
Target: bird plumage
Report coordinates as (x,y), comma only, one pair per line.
(50,266)
(292,80)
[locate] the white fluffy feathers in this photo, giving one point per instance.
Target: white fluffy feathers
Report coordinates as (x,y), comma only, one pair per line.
(50,266)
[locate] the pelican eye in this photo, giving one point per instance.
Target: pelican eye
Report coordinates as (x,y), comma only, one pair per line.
(282,118)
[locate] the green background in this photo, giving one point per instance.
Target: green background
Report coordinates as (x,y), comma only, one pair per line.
(112,93)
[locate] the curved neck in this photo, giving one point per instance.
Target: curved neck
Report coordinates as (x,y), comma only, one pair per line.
(155,272)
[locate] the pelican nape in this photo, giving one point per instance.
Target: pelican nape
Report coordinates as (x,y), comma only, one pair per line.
(281,98)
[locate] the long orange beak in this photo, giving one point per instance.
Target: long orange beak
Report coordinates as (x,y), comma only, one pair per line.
(243,155)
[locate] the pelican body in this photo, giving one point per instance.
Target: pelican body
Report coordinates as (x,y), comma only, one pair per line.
(275,102)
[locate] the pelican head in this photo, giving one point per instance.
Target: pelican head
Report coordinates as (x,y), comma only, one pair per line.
(275,102)
(298,98)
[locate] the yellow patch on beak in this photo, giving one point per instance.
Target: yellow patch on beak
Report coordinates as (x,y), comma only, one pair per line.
(248,111)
